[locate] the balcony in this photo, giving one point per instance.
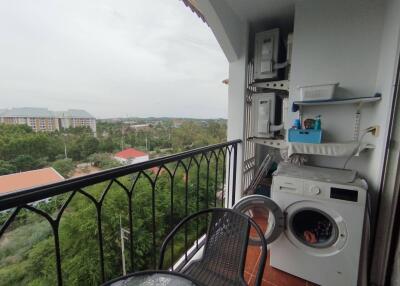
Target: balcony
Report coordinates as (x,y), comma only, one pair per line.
(75,237)
(151,198)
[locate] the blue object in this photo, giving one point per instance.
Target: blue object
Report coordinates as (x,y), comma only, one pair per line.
(305,136)
(296,124)
(317,124)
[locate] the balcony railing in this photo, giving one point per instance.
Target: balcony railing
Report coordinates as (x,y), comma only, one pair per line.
(169,188)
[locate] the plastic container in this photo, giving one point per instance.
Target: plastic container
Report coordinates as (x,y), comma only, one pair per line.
(317,92)
(296,124)
(317,125)
(305,136)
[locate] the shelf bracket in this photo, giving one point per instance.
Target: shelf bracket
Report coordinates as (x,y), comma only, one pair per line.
(278,85)
(359,106)
(274,143)
(357,121)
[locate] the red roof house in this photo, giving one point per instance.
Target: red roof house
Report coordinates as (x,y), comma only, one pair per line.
(25,180)
(131,156)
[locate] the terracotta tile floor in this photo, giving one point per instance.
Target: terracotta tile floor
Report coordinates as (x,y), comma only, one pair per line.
(272,276)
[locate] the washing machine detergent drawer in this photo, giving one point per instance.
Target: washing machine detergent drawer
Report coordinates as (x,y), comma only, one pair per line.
(287,185)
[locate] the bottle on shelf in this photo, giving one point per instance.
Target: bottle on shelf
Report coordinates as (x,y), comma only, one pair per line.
(317,123)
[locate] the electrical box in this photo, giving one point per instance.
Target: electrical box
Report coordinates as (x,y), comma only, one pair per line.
(264,106)
(266,54)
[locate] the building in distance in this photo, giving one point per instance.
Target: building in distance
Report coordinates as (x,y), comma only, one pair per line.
(42,119)
(76,118)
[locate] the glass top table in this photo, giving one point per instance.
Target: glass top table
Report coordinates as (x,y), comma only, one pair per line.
(152,278)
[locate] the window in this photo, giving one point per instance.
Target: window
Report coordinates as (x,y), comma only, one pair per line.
(42,124)
(32,123)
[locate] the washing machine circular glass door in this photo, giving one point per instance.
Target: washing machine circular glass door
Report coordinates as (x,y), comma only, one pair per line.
(315,228)
(266,213)
(308,225)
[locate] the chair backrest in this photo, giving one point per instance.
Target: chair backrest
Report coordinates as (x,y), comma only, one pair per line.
(226,244)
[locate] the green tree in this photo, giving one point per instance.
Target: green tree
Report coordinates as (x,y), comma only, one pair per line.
(107,145)
(6,168)
(18,140)
(74,150)
(30,259)
(25,163)
(89,145)
(103,160)
(64,167)
(78,130)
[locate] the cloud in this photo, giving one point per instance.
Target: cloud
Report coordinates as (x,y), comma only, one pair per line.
(112,58)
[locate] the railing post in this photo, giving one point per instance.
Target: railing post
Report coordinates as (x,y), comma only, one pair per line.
(234,173)
(57,252)
(100,239)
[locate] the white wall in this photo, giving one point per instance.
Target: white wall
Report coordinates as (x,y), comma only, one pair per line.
(386,81)
(395,280)
(346,41)
(232,35)
(389,46)
(340,41)
(236,103)
(355,43)
(120,160)
(139,159)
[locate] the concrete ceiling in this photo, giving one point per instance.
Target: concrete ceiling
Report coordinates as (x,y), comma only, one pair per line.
(255,11)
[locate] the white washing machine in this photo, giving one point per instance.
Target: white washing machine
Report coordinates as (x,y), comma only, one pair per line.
(315,222)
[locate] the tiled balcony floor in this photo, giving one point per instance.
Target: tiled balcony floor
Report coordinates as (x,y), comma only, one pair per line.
(272,276)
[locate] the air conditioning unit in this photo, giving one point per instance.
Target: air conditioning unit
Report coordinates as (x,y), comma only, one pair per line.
(266,54)
(264,106)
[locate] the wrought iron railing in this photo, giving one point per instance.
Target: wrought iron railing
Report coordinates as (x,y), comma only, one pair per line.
(192,180)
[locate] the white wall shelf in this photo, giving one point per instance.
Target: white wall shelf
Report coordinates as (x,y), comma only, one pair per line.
(333,149)
(358,100)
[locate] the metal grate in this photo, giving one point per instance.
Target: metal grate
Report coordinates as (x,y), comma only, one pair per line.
(249,160)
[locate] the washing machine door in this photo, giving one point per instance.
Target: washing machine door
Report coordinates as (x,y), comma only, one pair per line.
(266,213)
(316,228)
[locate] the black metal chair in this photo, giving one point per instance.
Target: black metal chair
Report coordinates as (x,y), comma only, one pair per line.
(225,248)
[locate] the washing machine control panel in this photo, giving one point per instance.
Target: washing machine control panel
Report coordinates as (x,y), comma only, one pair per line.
(317,189)
(288,185)
(331,192)
(314,190)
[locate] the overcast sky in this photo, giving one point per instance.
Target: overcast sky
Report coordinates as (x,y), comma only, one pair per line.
(114,58)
